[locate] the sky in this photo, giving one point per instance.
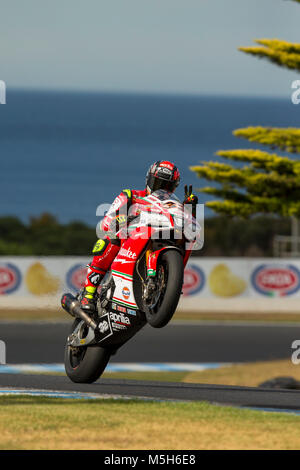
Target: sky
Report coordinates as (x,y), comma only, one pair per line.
(173,46)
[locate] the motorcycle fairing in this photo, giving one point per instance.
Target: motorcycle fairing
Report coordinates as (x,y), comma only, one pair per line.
(152,259)
(123,267)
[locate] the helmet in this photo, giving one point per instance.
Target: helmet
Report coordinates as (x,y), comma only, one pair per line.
(162,175)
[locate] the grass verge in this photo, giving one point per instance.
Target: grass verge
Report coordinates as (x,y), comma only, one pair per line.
(52,423)
(34,314)
(249,374)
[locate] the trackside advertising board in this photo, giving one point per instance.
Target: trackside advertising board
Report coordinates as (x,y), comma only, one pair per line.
(219,278)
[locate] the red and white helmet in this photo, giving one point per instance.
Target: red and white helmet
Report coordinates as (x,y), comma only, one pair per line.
(162,175)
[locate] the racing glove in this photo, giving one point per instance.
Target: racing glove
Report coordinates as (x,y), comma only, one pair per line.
(189,197)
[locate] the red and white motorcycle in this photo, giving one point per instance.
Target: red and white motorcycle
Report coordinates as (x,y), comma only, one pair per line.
(143,285)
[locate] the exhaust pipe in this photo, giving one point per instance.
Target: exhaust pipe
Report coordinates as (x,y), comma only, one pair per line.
(72,306)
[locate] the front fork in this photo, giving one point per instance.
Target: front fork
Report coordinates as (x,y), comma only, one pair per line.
(151,262)
(152,259)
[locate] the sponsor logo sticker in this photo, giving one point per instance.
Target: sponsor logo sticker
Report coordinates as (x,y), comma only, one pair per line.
(119,318)
(105,327)
(121,309)
(117,327)
(194,280)
(127,253)
(166,165)
(276,280)
(126,293)
(10,278)
(131,312)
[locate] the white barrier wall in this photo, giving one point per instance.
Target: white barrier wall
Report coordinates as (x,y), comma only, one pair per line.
(210,284)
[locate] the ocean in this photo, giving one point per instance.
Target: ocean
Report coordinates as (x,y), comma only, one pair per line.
(66,153)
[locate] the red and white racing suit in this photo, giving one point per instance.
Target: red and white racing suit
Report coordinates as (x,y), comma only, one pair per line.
(106,249)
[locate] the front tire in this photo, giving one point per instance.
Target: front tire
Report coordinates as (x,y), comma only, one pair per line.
(171,262)
(85,364)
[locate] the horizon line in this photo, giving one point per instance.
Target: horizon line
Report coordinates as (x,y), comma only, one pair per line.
(143,93)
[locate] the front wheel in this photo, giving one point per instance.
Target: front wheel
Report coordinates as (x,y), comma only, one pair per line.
(169,282)
(85,364)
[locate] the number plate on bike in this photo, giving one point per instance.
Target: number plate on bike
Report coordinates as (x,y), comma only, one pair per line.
(104,329)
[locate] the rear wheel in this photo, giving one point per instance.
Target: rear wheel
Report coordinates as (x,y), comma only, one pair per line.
(85,364)
(168,286)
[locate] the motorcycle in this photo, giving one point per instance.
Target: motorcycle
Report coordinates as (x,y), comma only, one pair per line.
(143,285)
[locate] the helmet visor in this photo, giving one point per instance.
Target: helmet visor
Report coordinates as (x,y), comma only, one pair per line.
(155,183)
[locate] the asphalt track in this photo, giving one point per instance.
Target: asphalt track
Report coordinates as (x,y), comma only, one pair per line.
(225,395)
(44,343)
(192,343)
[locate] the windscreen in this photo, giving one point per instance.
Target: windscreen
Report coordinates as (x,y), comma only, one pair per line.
(164,195)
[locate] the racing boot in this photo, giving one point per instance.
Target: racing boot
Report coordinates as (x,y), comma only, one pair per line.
(88,299)
(89,294)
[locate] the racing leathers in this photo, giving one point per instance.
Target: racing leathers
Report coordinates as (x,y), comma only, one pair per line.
(107,247)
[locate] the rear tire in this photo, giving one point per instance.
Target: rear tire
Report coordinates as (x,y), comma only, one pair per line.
(172,262)
(88,365)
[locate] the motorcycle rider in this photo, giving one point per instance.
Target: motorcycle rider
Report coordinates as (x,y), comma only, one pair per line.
(161,175)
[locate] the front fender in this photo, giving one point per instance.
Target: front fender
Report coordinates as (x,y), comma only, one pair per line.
(152,259)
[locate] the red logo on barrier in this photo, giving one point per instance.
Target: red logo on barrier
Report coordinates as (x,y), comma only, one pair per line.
(276,280)
(10,278)
(194,279)
(76,277)
(6,278)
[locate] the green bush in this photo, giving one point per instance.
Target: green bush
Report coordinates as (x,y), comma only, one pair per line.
(44,235)
(223,236)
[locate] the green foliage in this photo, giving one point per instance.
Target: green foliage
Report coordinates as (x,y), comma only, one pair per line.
(287,139)
(283,53)
(226,236)
(263,160)
(257,205)
(223,236)
(268,183)
(44,235)
(256,182)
